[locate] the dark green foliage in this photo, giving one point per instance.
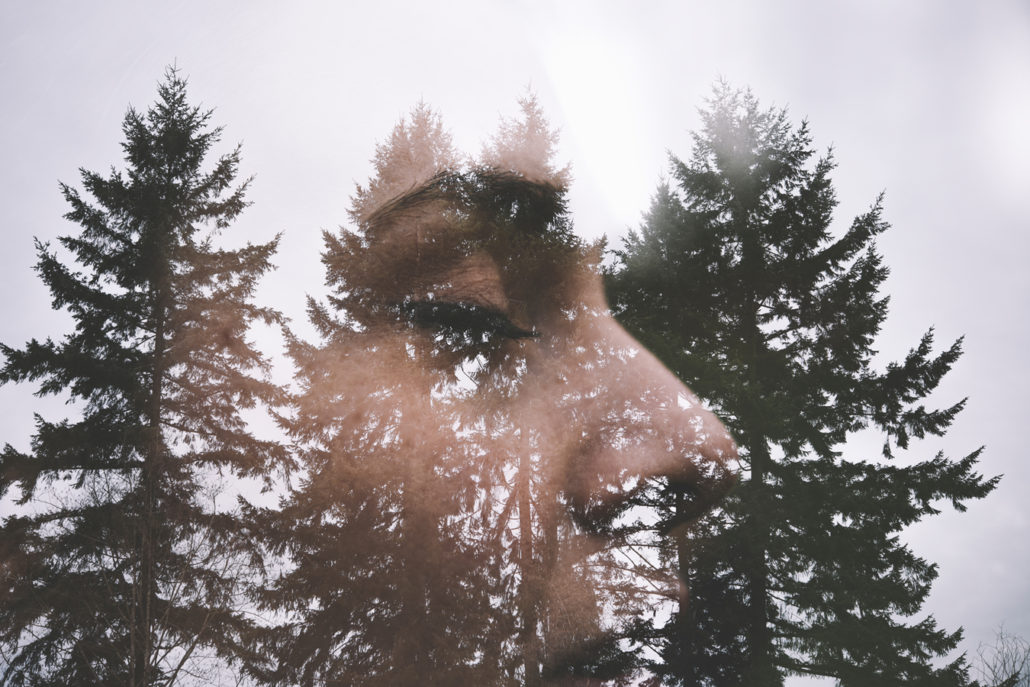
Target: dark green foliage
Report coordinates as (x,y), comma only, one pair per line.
(121,567)
(738,284)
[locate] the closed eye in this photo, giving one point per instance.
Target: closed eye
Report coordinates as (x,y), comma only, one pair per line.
(463,324)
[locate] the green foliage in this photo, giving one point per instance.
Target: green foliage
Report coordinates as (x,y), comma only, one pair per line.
(737,282)
(122,567)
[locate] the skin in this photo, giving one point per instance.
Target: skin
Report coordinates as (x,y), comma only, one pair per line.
(483,388)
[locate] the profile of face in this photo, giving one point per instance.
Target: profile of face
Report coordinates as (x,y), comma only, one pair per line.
(487,436)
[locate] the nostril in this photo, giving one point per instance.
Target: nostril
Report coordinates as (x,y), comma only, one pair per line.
(683,451)
(699,492)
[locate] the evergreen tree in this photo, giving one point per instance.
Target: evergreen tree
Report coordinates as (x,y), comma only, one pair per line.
(527,502)
(428,541)
(737,282)
(526,145)
(122,567)
(384,582)
(419,147)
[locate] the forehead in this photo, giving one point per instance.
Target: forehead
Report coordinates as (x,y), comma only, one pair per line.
(473,202)
(492,230)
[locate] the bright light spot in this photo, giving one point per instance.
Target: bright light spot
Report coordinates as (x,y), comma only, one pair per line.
(1003,118)
(596,81)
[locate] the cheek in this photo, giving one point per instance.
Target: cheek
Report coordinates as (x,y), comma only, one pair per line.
(387,399)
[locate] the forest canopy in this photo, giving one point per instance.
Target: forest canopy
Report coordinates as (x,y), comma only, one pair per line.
(484,474)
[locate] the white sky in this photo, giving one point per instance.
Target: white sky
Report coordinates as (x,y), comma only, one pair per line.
(927,103)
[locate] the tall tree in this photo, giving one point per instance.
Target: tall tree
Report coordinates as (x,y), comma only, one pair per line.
(429,540)
(528,500)
(738,283)
(384,583)
(122,567)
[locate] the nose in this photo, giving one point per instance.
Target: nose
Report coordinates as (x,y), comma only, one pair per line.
(643,424)
(666,407)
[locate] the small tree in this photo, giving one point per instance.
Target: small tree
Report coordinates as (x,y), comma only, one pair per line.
(738,284)
(1005,663)
(122,567)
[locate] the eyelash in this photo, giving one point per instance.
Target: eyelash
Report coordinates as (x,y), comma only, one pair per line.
(464,323)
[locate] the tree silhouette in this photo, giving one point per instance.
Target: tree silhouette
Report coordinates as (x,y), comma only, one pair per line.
(123,567)
(737,282)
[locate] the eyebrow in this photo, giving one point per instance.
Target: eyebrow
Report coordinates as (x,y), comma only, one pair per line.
(412,240)
(472,189)
(395,208)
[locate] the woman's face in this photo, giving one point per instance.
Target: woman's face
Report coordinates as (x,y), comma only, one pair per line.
(490,403)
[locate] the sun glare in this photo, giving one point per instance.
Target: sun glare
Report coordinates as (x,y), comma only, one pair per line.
(596,83)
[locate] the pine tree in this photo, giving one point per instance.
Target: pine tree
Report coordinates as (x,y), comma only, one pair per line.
(523,146)
(738,283)
(419,147)
(526,145)
(527,503)
(122,567)
(384,582)
(424,541)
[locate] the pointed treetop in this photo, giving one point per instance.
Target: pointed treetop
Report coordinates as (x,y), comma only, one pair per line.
(527,144)
(418,148)
(741,149)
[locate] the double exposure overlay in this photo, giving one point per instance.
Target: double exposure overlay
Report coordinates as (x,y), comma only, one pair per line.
(480,441)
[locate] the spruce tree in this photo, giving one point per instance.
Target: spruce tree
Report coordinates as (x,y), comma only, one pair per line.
(428,541)
(738,282)
(526,145)
(122,567)
(528,505)
(419,147)
(383,582)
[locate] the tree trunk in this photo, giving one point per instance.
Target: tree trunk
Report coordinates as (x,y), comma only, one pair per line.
(528,590)
(761,671)
(142,671)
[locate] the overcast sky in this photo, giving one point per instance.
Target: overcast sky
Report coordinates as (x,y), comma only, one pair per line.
(928,101)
